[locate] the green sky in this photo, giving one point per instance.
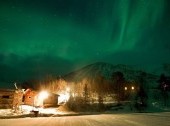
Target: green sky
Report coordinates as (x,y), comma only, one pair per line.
(62,35)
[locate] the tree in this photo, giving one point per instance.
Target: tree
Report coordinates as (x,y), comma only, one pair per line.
(99,88)
(141,97)
(86,94)
(118,81)
(164,87)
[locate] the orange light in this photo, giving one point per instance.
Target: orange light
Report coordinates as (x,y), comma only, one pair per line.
(133,87)
(43,95)
(125,88)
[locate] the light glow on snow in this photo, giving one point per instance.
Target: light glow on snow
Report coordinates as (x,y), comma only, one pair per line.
(64,96)
(39,99)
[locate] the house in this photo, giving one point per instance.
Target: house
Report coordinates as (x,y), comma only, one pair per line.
(33,98)
(52,100)
(10,98)
(29,97)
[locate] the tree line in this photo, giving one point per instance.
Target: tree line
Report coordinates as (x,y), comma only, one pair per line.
(99,90)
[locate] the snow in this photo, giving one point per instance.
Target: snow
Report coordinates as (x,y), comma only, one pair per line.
(29,111)
(62,116)
(139,119)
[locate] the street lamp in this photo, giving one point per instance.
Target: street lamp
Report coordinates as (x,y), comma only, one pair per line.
(130,92)
(132,87)
(125,88)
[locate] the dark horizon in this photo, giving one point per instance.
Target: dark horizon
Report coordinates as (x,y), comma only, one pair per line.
(36,78)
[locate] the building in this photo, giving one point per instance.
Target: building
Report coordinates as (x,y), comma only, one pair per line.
(10,98)
(29,97)
(33,98)
(52,100)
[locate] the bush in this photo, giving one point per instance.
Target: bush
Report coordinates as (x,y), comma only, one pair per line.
(78,104)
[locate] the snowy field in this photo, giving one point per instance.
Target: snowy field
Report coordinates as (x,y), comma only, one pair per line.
(26,111)
(62,117)
(138,119)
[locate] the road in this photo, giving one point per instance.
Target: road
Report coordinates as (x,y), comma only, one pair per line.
(136,119)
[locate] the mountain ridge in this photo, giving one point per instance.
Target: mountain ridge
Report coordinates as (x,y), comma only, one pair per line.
(106,70)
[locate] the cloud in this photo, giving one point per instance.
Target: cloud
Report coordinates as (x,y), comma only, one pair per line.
(33,67)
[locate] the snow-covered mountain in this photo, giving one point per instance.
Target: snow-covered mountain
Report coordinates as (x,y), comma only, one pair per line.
(106,70)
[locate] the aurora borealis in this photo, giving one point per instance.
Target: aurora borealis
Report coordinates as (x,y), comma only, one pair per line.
(57,36)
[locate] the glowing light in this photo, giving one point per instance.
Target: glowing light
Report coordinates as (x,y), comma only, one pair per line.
(63,98)
(43,95)
(68,89)
(73,94)
(125,88)
(39,99)
(133,88)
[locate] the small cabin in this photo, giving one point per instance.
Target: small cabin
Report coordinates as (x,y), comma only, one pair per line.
(32,98)
(29,97)
(52,100)
(10,99)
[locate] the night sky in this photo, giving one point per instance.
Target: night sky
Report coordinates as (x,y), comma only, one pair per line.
(39,37)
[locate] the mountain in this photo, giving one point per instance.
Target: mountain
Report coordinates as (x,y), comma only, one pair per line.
(90,71)
(106,70)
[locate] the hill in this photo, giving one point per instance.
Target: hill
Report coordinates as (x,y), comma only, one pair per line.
(106,70)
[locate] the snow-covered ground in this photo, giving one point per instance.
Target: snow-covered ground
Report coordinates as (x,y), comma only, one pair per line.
(132,119)
(57,116)
(28,111)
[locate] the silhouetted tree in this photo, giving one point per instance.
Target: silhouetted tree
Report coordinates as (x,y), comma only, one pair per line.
(164,87)
(141,96)
(100,90)
(86,94)
(163,83)
(141,99)
(118,81)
